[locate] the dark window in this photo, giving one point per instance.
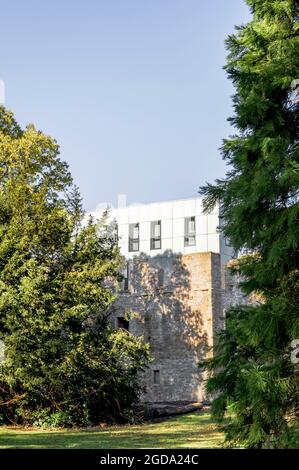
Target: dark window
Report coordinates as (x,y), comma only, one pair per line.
(125,281)
(190,231)
(134,237)
(156,235)
(161,277)
(156,377)
(116,232)
(122,323)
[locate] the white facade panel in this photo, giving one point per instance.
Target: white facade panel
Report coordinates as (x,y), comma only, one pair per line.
(166,210)
(178,245)
(178,227)
(213,223)
(198,206)
(167,244)
(214,243)
(185,208)
(172,215)
(123,248)
(134,214)
(121,215)
(155,252)
(166,229)
(178,209)
(145,231)
(123,232)
(155,212)
(190,208)
(144,212)
(201,243)
(202,224)
(190,249)
(144,246)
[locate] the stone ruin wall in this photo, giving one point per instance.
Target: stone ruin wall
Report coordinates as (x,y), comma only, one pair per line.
(176,303)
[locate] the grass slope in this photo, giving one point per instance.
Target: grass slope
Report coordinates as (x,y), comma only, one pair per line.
(194,430)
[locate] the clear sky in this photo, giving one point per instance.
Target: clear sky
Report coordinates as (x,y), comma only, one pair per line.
(133,90)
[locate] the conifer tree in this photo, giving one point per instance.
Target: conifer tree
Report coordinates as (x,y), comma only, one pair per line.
(253,377)
(63,363)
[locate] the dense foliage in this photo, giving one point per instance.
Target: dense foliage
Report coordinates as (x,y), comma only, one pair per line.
(253,377)
(63,362)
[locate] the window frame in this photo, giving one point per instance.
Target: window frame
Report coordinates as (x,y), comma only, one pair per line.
(125,280)
(187,234)
(156,377)
(132,240)
(122,324)
(154,239)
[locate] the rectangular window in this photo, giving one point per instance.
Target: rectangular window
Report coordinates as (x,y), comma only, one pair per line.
(161,277)
(122,323)
(156,377)
(115,232)
(134,237)
(125,276)
(156,235)
(190,231)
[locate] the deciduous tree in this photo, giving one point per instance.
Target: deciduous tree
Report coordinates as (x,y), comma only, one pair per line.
(63,363)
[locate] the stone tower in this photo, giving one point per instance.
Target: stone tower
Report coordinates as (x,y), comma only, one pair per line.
(174,290)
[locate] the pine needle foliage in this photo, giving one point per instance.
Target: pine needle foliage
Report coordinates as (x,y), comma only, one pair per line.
(253,378)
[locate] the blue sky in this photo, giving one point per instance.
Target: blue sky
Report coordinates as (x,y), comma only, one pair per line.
(133,90)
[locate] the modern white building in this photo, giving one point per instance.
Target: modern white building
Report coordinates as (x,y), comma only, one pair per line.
(179,226)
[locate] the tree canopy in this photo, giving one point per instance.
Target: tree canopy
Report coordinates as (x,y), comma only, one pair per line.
(63,362)
(253,376)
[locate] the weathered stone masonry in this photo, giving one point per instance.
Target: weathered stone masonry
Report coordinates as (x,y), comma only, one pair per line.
(175,302)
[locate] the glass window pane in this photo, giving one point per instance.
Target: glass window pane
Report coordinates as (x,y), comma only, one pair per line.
(134,237)
(156,235)
(157,230)
(190,231)
(191,226)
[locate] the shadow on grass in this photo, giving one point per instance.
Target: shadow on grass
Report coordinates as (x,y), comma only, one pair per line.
(195,430)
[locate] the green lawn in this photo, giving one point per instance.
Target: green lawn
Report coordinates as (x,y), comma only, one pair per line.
(195,430)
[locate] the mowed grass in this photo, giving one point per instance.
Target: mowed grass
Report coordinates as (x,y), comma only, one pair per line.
(194,430)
